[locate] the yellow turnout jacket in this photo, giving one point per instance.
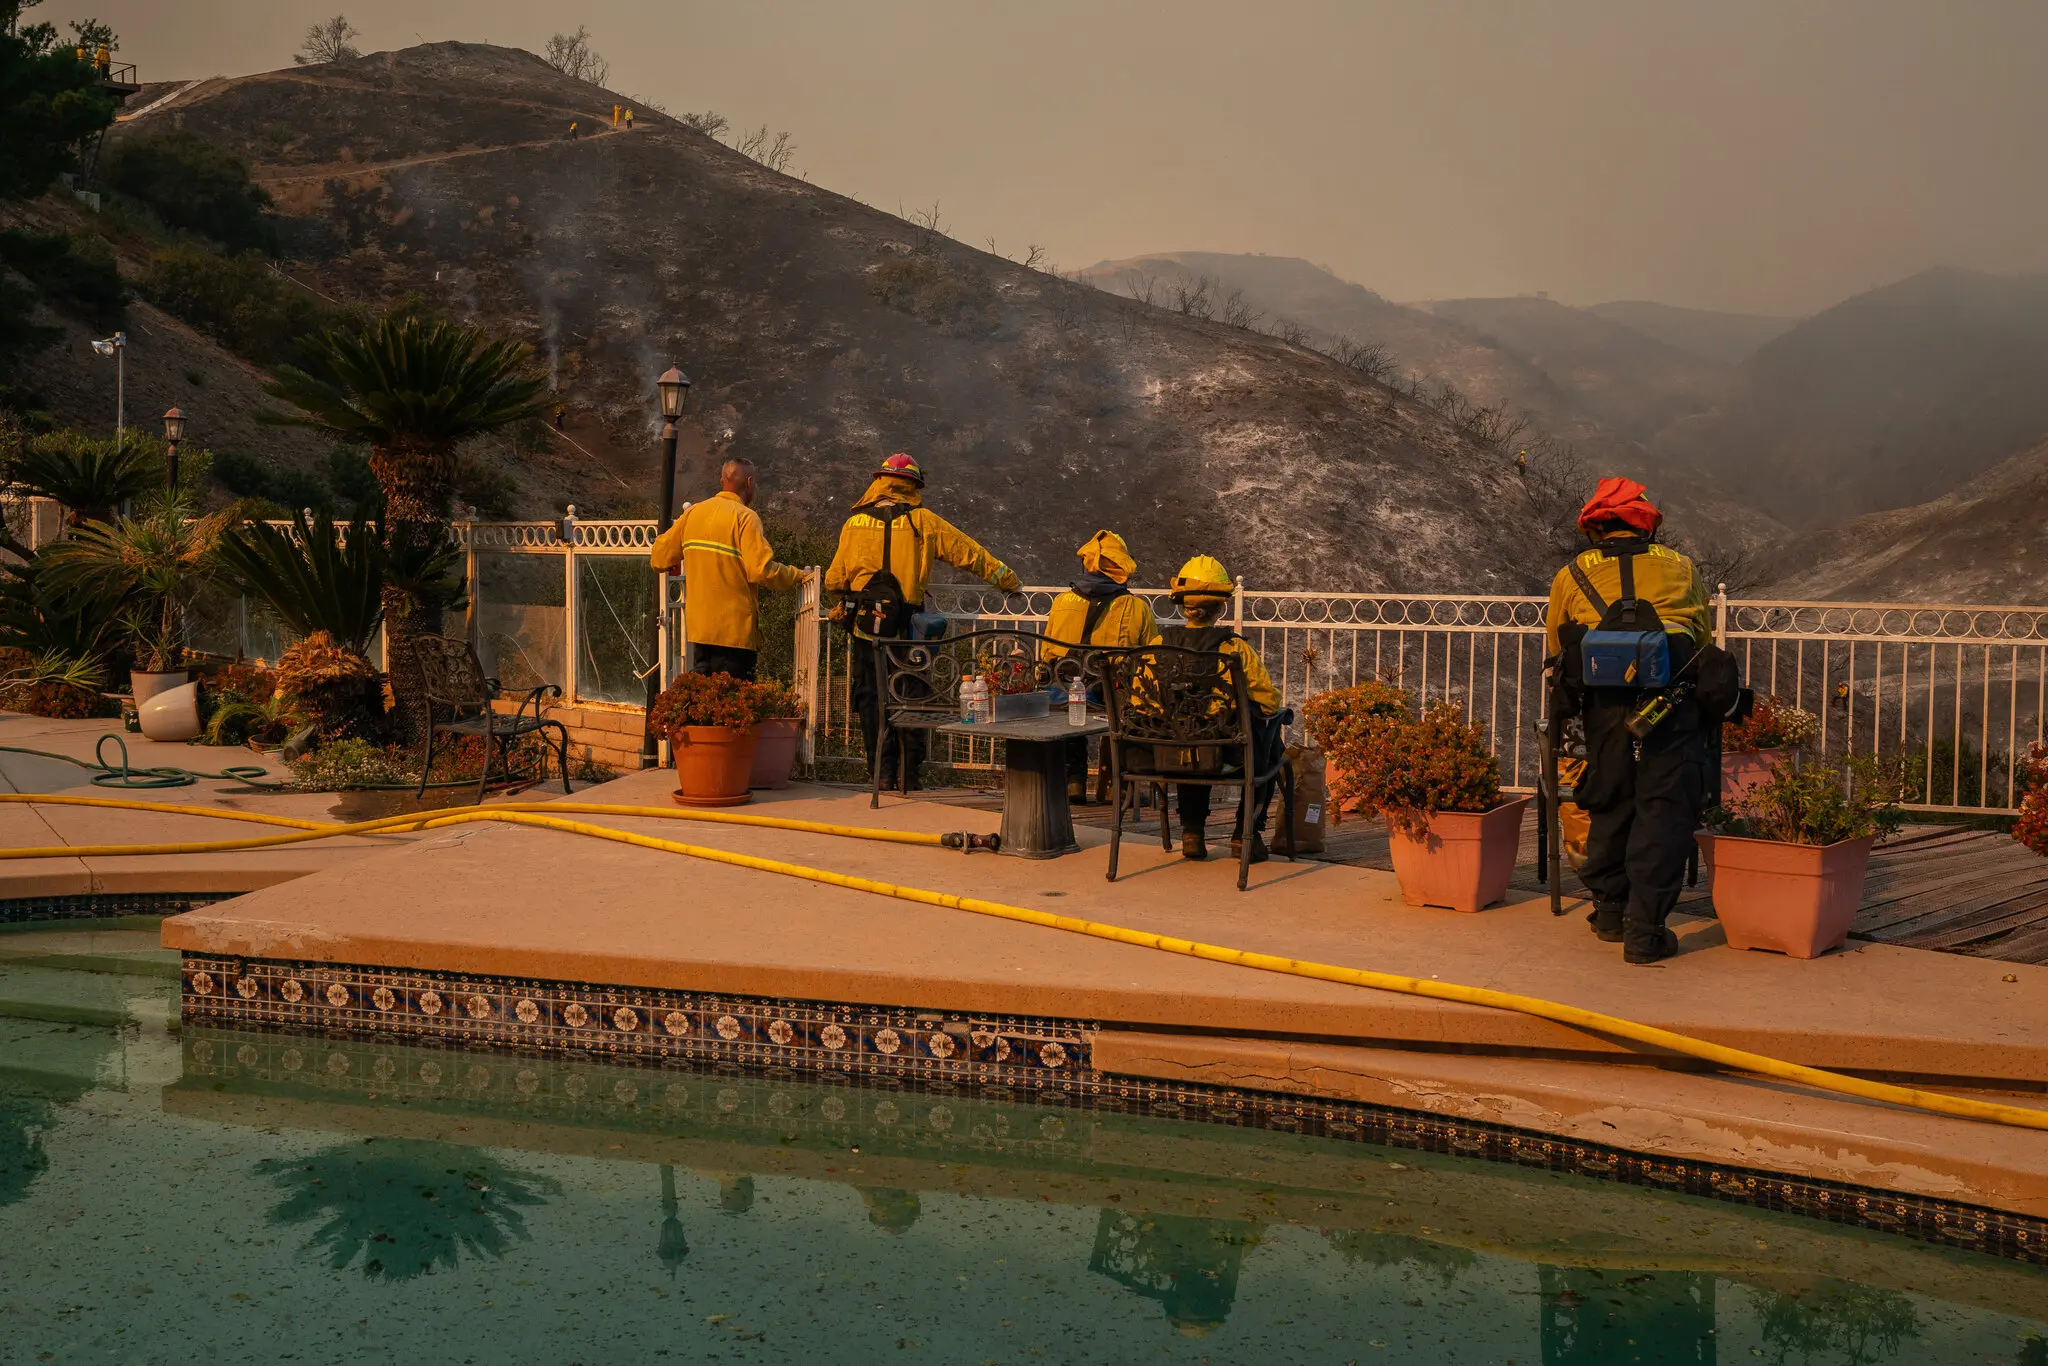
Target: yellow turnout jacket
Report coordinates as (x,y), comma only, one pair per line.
(1665,579)
(917,539)
(726,561)
(1127,620)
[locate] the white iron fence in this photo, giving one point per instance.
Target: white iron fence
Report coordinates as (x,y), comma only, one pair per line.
(1960,691)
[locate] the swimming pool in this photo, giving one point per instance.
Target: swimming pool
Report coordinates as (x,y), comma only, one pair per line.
(227,1196)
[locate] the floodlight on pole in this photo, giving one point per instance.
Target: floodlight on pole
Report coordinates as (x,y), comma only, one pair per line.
(117,347)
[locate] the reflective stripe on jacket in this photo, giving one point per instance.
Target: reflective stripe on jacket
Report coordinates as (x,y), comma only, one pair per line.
(1665,579)
(726,561)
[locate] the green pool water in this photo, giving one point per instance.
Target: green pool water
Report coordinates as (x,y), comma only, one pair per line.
(172,1194)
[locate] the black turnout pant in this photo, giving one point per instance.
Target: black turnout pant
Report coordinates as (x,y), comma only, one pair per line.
(723,659)
(1269,743)
(899,746)
(1642,810)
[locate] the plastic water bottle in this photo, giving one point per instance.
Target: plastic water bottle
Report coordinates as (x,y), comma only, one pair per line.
(988,702)
(970,700)
(1077,707)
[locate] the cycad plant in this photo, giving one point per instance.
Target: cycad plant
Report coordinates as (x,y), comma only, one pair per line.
(91,478)
(146,567)
(412,390)
(319,577)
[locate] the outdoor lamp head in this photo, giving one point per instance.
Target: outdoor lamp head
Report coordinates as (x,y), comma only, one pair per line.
(174,426)
(103,346)
(675,388)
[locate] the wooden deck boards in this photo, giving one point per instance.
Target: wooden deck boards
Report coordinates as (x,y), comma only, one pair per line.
(1944,887)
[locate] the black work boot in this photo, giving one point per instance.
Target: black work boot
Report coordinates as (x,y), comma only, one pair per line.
(1193,844)
(1655,950)
(1259,852)
(1606,924)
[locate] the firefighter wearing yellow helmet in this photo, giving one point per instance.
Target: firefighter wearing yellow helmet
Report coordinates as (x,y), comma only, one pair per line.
(884,562)
(1098,609)
(1203,588)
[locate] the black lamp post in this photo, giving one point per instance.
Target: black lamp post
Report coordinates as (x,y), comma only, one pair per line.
(674,388)
(174,431)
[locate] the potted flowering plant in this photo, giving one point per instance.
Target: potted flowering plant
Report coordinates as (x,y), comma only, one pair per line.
(1437,786)
(780,731)
(1338,721)
(1788,860)
(2031,829)
(1753,749)
(1013,681)
(710,722)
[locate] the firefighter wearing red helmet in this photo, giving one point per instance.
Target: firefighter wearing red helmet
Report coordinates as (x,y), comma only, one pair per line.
(1626,627)
(884,562)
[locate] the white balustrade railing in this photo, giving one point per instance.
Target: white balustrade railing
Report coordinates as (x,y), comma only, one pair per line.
(1960,690)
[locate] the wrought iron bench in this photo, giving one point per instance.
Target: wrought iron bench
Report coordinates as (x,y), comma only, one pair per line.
(1179,716)
(456,684)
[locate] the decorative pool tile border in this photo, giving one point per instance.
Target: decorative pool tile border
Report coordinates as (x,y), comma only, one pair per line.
(1007,1058)
(103,905)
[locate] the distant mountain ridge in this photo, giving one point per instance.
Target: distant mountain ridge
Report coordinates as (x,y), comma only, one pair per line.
(1728,338)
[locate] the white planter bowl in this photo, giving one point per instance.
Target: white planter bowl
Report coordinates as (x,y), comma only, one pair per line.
(172,714)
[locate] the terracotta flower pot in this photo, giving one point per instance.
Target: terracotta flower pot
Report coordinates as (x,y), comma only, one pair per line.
(1745,770)
(775,754)
(1466,859)
(1797,899)
(143,686)
(713,764)
(1332,771)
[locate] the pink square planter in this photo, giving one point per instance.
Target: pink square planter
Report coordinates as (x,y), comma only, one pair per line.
(1465,861)
(1796,899)
(1745,770)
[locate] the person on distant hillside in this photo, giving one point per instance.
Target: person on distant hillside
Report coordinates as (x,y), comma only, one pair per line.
(726,562)
(1642,797)
(629,120)
(1099,609)
(572,130)
(880,570)
(1203,588)
(615,116)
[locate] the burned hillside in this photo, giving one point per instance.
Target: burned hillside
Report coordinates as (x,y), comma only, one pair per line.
(823,333)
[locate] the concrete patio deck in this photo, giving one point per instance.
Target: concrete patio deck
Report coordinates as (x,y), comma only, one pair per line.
(540,912)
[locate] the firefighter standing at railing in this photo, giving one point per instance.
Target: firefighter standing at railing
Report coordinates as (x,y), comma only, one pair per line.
(1627,628)
(880,571)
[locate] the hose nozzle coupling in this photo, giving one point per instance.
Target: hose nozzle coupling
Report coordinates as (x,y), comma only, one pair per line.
(969,842)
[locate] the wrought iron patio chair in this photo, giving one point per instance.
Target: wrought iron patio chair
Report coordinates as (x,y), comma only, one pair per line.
(456,684)
(919,681)
(1180,716)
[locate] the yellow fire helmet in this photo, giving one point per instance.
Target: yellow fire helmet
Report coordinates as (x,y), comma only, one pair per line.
(1202,577)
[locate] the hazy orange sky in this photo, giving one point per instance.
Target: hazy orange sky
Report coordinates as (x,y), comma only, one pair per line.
(1759,155)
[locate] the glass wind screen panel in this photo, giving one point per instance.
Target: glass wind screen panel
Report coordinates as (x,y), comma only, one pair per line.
(615,626)
(520,619)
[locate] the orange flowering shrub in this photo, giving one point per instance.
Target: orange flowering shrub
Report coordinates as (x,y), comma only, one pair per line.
(2032,828)
(1390,764)
(1774,724)
(707,700)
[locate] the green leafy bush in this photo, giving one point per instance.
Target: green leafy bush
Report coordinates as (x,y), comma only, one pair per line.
(196,185)
(1819,803)
(239,302)
(75,273)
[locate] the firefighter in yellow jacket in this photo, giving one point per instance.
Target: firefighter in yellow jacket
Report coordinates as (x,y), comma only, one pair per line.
(726,562)
(1097,609)
(881,569)
(1642,794)
(1203,588)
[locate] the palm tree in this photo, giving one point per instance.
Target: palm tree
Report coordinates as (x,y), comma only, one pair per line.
(412,390)
(145,569)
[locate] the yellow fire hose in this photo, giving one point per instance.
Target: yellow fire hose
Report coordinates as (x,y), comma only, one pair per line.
(531,814)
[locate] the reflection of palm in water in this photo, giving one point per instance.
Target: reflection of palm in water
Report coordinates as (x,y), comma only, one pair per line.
(22,1158)
(889,1208)
(1190,1265)
(1366,1247)
(1591,1316)
(1863,1324)
(406,1207)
